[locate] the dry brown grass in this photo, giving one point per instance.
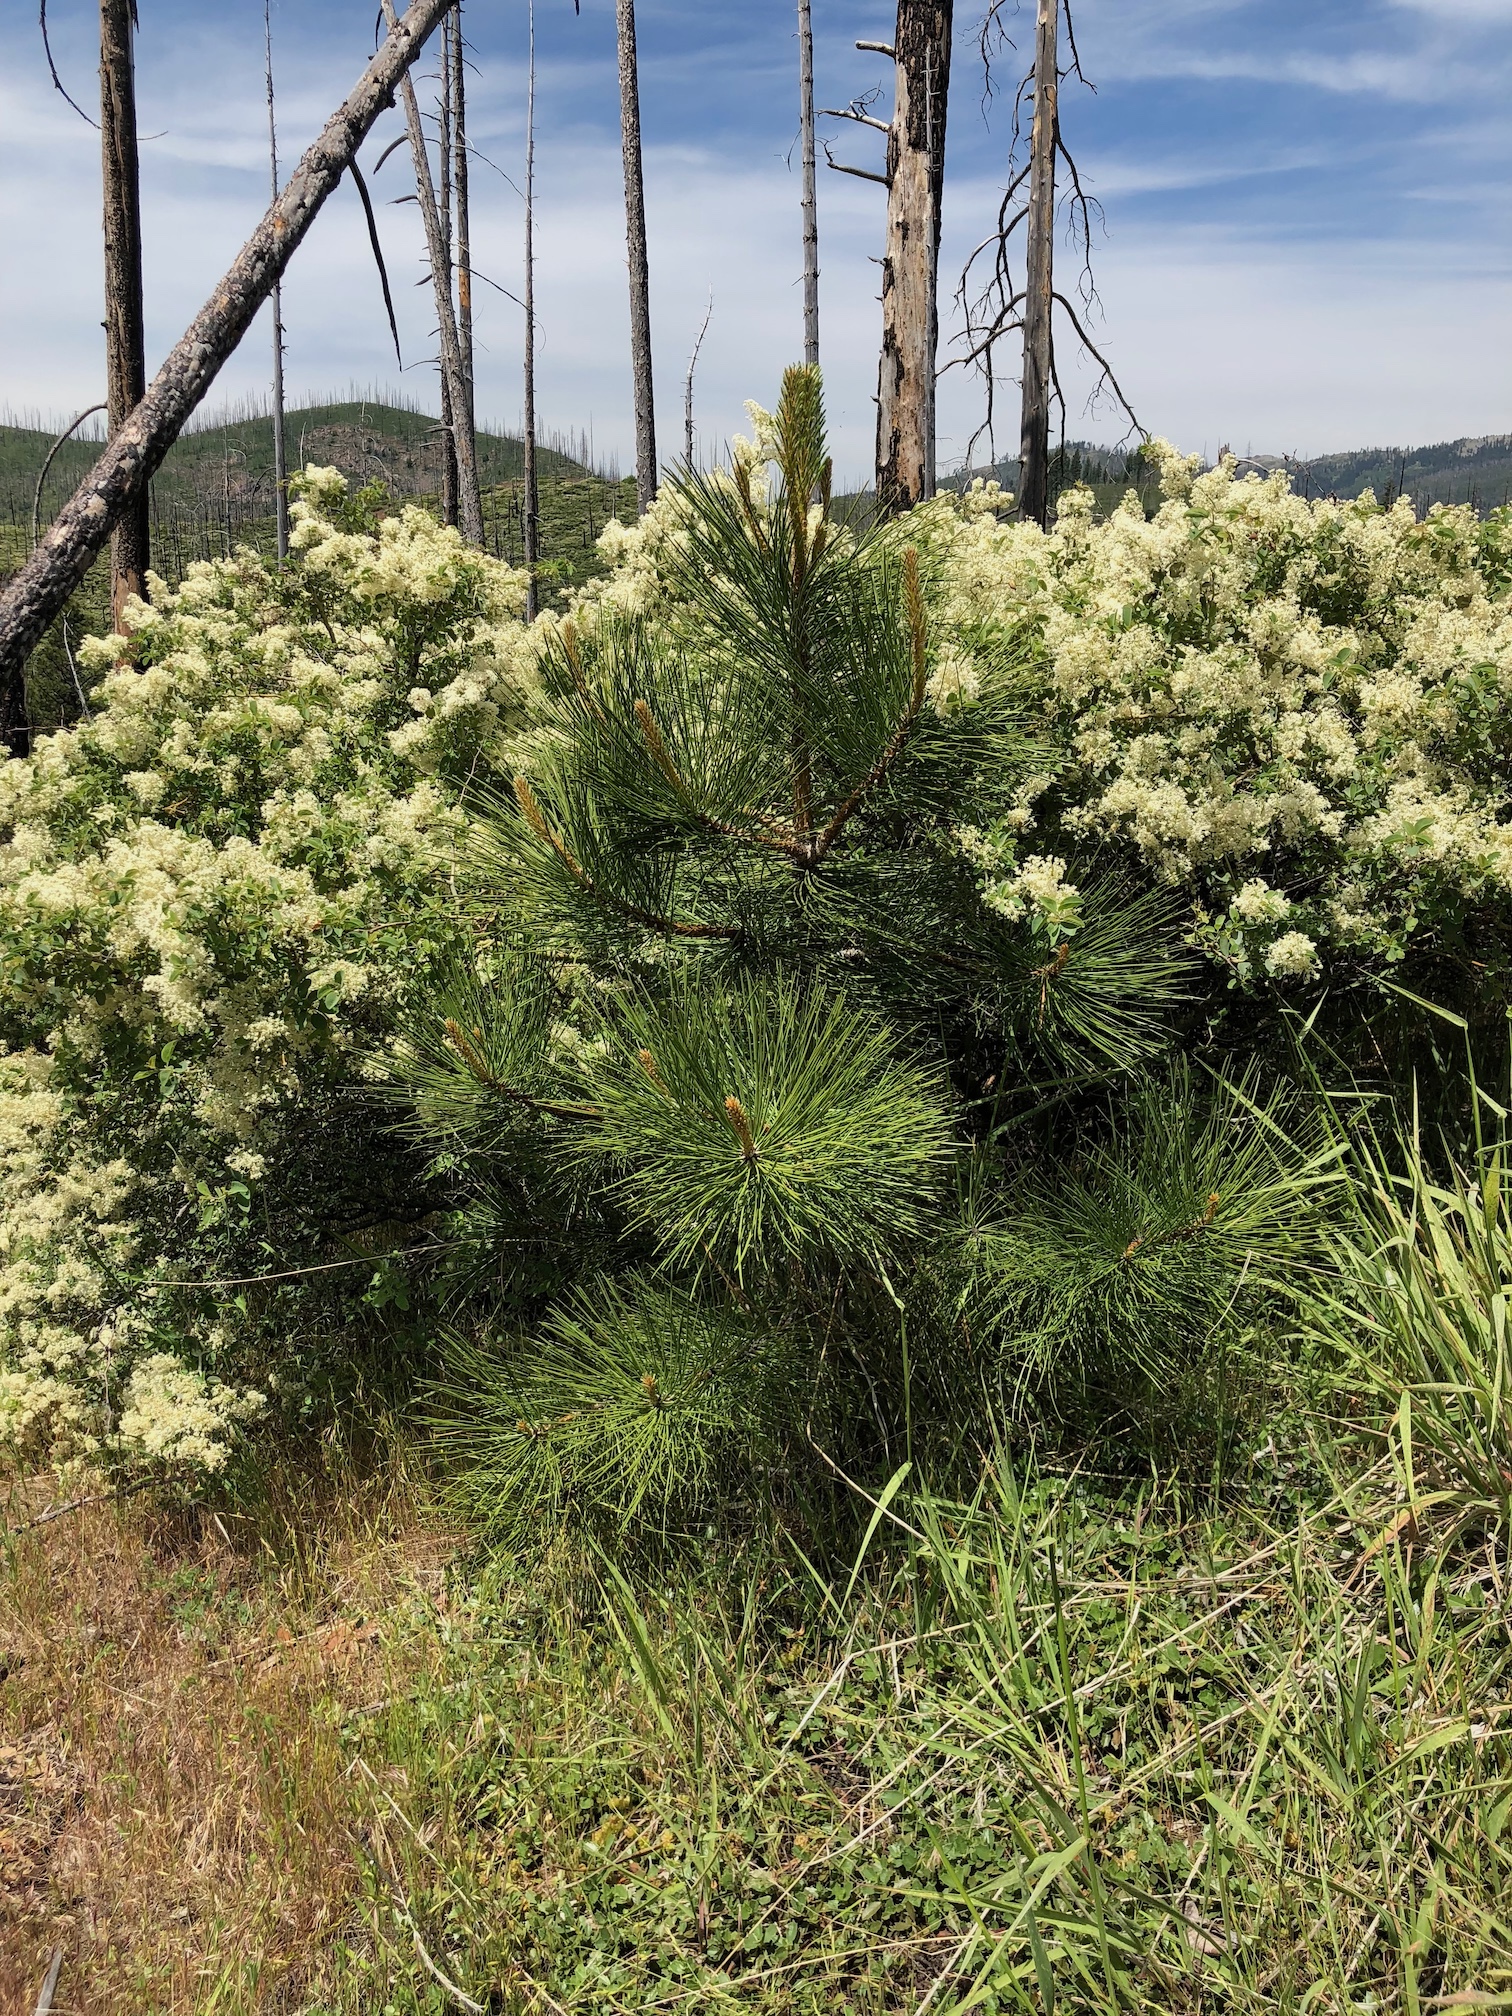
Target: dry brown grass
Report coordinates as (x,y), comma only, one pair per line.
(175,1810)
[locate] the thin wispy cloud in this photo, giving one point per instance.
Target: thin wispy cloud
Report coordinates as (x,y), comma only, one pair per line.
(1304,208)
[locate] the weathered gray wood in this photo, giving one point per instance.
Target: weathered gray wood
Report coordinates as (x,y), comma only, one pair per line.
(810,189)
(129,462)
(463,197)
(125,325)
(469,496)
(530,511)
(444,151)
(50,1985)
(280,443)
(911,260)
(1039,282)
(640,265)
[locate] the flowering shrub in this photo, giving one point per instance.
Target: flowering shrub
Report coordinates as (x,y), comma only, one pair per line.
(221,893)
(213,896)
(1295,712)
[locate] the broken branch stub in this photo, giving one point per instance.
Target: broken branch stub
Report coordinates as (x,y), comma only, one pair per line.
(134,455)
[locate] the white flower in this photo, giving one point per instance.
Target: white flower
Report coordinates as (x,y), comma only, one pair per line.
(1293,956)
(953,684)
(173,1413)
(1258,903)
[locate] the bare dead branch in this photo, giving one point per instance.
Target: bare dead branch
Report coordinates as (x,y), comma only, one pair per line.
(52,67)
(862,174)
(1103,364)
(36,528)
(50,1985)
(861,118)
(688,387)
(375,242)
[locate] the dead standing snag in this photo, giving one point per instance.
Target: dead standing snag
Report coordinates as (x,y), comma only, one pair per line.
(133,457)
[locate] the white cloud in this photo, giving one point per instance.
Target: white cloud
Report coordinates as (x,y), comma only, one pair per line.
(1216,333)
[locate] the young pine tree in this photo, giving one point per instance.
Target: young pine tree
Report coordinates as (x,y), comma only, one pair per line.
(727,1091)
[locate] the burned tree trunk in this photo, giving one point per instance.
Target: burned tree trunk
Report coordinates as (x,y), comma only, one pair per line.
(444,149)
(120,477)
(280,452)
(640,265)
(125,331)
(810,192)
(1003,307)
(462,198)
(1039,282)
(469,496)
(910,264)
(531,502)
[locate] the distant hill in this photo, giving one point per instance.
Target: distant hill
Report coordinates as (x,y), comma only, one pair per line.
(1475,470)
(224,468)
(214,494)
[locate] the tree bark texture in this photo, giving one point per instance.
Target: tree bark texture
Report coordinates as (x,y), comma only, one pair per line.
(132,458)
(280,447)
(469,496)
(639,262)
(1034,433)
(911,261)
(810,190)
(530,510)
(125,330)
(449,419)
(462,183)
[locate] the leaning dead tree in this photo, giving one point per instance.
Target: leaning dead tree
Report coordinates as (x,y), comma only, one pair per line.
(914,177)
(457,404)
(1003,305)
(121,476)
(640,264)
(125,326)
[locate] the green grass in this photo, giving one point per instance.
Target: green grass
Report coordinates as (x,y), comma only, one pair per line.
(1058,1751)
(1066,1742)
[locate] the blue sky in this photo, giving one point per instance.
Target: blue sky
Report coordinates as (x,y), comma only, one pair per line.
(1308,208)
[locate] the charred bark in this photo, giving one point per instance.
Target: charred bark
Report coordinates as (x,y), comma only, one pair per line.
(531,502)
(810,190)
(461,189)
(639,261)
(280,448)
(1039,280)
(915,179)
(125,328)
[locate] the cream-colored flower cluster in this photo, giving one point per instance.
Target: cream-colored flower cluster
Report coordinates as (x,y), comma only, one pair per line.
(1295,710)
(206,896)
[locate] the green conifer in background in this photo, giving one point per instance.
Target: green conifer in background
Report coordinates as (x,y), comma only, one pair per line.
(762,1116)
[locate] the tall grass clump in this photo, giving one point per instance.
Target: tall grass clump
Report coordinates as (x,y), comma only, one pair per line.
(1416,1317)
